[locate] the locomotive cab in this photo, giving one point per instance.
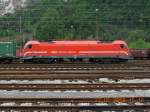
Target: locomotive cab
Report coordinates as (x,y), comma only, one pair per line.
(30,48)
(124,52)
(123,46)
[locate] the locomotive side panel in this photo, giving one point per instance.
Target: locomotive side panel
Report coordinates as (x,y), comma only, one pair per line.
(76,49)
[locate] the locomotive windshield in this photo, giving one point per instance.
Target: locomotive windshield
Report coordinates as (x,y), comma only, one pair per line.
(123,46)
(29,46)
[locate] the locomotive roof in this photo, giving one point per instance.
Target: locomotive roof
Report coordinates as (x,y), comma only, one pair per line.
(75,42)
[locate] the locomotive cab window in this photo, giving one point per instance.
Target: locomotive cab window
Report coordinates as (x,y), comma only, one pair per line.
(29,46)
(122,46)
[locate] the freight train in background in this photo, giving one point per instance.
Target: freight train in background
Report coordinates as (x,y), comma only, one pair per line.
(59,51)
(140,53)
(7,52)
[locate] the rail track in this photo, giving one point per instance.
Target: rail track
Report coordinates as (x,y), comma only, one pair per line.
(138,65)
(73,68)
(69,71)
(143,108)
(83,74)
(127,100)
(141,63)
(61,104)
(52,87)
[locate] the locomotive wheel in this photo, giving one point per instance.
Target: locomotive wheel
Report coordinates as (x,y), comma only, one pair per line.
(105,60)
(59,60)
(76,60)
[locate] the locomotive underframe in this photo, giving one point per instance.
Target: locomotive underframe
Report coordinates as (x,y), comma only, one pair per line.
(54,59)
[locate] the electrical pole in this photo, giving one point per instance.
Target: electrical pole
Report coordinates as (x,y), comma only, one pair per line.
(20,29)
(8,31)
(97,25)
(20,25)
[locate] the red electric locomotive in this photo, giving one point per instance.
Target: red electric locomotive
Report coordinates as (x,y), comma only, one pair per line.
(94,51)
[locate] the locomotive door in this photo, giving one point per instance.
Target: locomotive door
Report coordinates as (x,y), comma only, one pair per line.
(92,50)
(35,50)
(116,51)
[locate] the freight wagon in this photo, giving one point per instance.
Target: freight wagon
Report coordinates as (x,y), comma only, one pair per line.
(7,52)
(140,53)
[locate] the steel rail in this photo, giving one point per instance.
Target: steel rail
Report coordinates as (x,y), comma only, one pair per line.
(77,64)
(71,68)
(67,76)
(74,108)
(75,72)
(130,100)
(119,86)
(143,64)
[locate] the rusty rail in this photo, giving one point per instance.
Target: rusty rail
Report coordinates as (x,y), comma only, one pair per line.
(119,86)
(83,74)
(130,100)
(71,68)
(75,108)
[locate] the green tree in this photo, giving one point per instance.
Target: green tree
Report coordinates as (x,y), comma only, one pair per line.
(50,26)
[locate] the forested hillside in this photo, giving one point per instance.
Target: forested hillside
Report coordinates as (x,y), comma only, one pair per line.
(80,19)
